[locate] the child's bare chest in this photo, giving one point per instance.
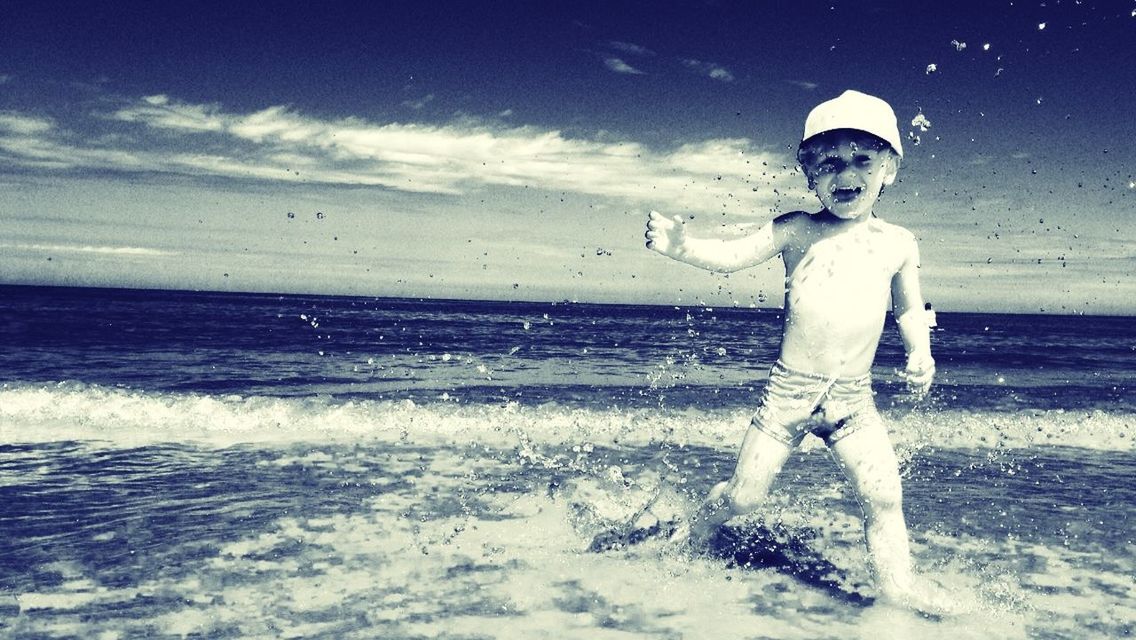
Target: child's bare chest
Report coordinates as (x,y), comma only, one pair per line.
(849,262)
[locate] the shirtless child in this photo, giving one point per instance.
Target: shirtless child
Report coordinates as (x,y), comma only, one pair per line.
(842,264)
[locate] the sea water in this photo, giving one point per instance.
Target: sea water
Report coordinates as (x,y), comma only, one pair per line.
(255,466)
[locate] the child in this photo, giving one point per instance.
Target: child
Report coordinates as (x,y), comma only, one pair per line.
(842,264)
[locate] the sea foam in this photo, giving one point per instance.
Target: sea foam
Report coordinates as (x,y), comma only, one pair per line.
(125,417)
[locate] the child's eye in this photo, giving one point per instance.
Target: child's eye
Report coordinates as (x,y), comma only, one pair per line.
(827,165)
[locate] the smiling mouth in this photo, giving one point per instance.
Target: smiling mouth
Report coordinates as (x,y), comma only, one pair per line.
(846,194)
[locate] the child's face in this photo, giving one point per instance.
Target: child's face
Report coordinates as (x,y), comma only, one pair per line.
(848,172)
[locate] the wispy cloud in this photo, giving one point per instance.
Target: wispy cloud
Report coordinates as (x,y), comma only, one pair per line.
(633,49)
(419,103)
(709,69)
(619,66)
(18,124)
(804,84)
(279,144)
(90,249)
(158,111)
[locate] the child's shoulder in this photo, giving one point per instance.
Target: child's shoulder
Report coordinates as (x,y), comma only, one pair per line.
(899,240)
(897,236)
(794,219)
(805,225)
(891,228)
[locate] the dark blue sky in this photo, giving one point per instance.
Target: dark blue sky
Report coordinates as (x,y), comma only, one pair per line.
(164,144)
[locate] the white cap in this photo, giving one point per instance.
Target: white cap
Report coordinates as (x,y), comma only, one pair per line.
(855,110)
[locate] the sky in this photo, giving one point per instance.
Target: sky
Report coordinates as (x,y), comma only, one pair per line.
(512,150)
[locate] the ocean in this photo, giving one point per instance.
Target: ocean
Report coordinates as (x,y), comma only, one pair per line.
(178,465)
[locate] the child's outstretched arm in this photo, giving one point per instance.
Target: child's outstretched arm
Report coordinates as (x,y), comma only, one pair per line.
(668,236)
(907,303)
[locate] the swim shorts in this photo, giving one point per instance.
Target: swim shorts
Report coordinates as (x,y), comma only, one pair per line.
(795,404)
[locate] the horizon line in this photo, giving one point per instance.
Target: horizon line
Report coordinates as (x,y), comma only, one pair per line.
(562,301)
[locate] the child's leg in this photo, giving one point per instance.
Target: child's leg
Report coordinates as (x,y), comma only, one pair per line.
(867,458)
(759,460)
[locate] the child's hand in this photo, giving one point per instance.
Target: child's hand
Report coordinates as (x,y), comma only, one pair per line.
(919,374)
(665,235)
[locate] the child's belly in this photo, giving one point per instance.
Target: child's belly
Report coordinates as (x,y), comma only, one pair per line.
(833,325)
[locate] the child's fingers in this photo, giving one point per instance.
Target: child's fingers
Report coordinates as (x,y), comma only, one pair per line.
(918,381)
(652,237)
(659,229)
(921,384)
(654,219)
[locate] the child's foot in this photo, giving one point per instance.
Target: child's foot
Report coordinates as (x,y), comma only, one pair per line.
(659,518)
(627,536)
(693,533)
(928,598)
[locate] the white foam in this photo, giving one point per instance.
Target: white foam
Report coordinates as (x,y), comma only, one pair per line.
(126,417)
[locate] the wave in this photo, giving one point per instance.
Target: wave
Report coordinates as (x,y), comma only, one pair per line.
(126,417)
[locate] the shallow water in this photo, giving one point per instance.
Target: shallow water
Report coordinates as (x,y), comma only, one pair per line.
(217,479)
(381,540)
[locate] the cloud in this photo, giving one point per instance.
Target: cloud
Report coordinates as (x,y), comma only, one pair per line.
(721,74)
(278,144)
(804,84)
(15,123)
(158,110)
(420,103)
(709,69)
(90,249)
(619,66)
(627,47)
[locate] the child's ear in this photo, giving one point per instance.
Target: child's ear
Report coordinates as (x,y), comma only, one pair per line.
(891,170)
(809,177)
